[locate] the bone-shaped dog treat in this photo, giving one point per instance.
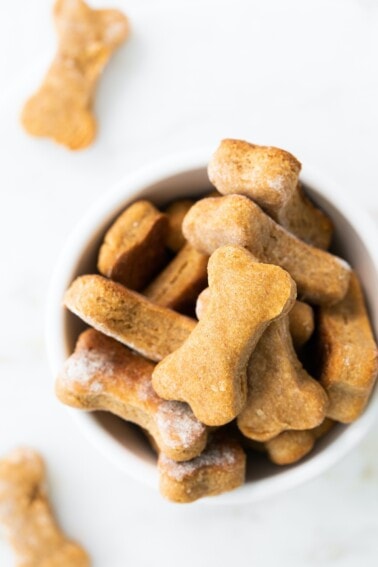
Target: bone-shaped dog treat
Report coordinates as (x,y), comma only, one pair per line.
(301,323)
(127,316)
(220,468)
(209,370)
(269,176)
(301,318)
(275,377)
(291,446)
(61,108)
(178,286)
(176,213)
(348,355)
(104,375)
(26,515)
(133,251)
(236,220)
(281,394)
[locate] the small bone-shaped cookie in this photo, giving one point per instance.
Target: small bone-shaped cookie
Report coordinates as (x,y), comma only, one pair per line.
(220,468)
(348,355)
(127,316)
(291,446)
(178,286)
(269,176)
(104,375)
(281,394)
(281,376)
(209,370)
(301,318)
(176,212)
(61,108)
(27,518)
(236,220)
(133,250)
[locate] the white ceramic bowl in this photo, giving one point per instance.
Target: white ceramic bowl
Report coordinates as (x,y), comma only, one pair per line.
(182,176)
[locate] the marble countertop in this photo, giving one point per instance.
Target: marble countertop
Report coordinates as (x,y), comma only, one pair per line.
(300,75)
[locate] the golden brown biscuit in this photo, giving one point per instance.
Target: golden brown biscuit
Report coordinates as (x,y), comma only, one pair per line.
(269,176)
(348,355)
(220,468)
(291,446)
(176,212)
(127,316)
(301,318)
(104,375)
(62,107)
(301,323)
(281,394)
(178,286)
(202,302)
(133,250)
(209,370)
(235,220)
(27,518)
(306,221)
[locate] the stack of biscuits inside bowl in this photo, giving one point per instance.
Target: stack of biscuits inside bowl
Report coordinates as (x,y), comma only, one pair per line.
(223,326)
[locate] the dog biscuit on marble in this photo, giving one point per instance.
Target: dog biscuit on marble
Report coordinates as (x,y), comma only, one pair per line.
(104,375)
(235,220)
(134,250)
(348,354)
(62,107)
(26,515)
(209,370)
(127,316)
(269,176)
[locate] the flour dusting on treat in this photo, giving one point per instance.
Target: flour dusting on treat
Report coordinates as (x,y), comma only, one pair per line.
(87,366)
(212,457)
(220,468)
(178,424)
(113,378)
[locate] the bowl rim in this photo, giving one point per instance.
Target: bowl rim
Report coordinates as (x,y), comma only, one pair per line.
(105,206)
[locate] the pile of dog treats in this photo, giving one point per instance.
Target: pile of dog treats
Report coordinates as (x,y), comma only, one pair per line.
(250,261)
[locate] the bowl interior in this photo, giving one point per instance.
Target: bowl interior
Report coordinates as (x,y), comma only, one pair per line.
(125,444)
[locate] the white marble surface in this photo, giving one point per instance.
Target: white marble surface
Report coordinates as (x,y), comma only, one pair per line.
(297,74)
